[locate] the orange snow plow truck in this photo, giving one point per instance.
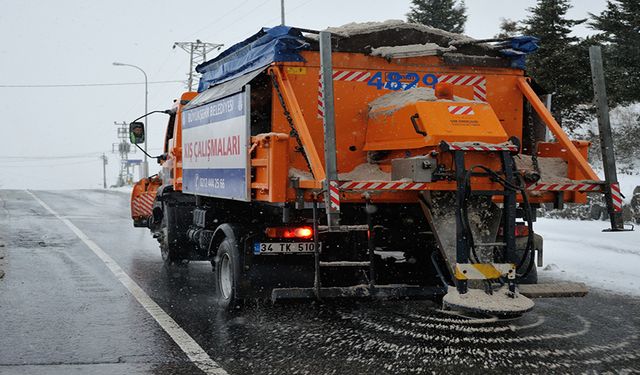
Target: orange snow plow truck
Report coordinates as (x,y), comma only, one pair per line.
(379,160)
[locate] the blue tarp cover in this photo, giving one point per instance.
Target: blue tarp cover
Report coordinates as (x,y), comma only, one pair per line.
(280,43)
(517,48)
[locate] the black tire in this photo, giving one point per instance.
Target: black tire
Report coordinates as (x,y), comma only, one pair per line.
(172,240)
(227,275)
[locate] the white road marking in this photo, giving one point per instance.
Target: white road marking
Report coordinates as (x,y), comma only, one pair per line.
(189,346)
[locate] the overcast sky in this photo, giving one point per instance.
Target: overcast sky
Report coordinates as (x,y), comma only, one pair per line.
(69,42)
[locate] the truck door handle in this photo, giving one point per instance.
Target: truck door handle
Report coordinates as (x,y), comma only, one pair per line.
(417,126)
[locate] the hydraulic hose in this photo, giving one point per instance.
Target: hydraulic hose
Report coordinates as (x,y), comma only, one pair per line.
(527,215)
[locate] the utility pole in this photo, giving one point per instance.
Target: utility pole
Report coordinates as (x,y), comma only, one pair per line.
(123,148)
(104,170)
(282,12)
(612,194)
(197,51)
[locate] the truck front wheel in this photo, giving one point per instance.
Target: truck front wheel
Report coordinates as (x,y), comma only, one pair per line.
(227,274)
(172,246)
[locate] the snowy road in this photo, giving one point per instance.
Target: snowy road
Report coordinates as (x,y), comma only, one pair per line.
(64,310)
(580,251)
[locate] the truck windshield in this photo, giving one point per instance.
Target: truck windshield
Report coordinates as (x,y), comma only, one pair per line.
(169,134)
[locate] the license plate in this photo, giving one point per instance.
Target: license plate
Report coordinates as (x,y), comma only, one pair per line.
(284,247)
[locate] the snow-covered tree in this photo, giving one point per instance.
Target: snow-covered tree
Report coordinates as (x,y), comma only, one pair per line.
(508,28)
(626,136)
(449,15)
(561,65)
(619,29)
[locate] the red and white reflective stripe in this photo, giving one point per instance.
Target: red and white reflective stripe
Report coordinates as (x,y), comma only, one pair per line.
(395,185)
(376,185)
(461,110)
(479,84)
(143,205)
(320,98)
(616,197)
(350,75)
(564,187)
(334,195)
(481,147)
(340,75)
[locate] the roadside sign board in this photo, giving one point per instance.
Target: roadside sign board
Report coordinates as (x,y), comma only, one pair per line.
(215,148)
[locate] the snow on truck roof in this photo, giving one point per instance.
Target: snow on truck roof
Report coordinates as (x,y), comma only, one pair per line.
(388,39)
(359,28)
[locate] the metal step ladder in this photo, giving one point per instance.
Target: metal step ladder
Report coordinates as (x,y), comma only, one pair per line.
(317,284)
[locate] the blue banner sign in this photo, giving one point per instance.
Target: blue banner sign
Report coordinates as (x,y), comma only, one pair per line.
(215,156)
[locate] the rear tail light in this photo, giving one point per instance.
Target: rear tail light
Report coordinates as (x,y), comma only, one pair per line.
(521,230)
(289,232)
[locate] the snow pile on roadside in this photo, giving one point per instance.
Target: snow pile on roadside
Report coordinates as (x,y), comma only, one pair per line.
(580,251)
(122,189)
(627,184)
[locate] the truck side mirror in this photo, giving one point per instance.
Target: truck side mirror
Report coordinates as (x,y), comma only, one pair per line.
(136,132)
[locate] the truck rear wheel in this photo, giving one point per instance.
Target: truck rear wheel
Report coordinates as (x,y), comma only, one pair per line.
(227,274)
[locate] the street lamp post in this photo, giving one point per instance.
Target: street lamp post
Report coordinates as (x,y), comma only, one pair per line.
(145,164)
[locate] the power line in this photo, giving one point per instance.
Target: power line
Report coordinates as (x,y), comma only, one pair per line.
(197,55)
(84,84)
(86,155)
(242,16)
(292,10)
(215,21)
(50,157)
(50,165)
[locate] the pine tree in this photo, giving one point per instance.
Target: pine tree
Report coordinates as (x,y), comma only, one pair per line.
(447,15)
(561,64)
(508,28)
(619,26)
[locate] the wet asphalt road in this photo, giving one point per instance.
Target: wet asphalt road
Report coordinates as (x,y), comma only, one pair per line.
(63,312)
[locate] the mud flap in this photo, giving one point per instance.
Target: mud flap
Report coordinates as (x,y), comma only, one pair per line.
(143,196)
